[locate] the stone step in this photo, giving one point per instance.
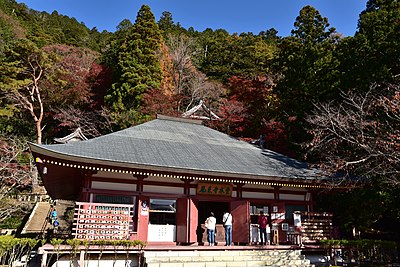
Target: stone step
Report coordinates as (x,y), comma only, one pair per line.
(224,264)
(225,258)
(223,253)
(292,259)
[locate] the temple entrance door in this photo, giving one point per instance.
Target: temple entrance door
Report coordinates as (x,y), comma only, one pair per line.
(186,220)
(240,210)
(205,208)
(218,208)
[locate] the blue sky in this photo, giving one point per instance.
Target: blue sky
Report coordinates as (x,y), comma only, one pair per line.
(234,16)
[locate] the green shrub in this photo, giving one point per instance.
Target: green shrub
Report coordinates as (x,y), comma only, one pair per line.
(11,223)
(363,250)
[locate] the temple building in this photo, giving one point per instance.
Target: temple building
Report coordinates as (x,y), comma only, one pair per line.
(159,181)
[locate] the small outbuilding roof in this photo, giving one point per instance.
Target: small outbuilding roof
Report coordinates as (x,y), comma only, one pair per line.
(181,145)
(77,135)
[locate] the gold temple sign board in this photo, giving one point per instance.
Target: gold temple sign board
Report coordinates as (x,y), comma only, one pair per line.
(214,189)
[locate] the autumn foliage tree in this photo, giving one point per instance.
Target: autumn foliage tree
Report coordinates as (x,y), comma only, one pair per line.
(275,136)
(258,100)
(233,115)
(74,95)
(155,102)
(70,84)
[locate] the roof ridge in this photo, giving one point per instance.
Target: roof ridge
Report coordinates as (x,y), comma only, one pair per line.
(169,118)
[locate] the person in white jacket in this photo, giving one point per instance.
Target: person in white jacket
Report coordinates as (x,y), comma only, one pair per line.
(210,225)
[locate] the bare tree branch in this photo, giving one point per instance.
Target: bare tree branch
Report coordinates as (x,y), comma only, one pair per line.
(16,174)
(359,135)
(92,123)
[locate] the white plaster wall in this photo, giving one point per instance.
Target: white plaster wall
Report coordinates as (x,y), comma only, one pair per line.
(258,195)
(300,189)
(162,189)
(258,186)
(164,179)
(161,233)
(193,191)
(113,186)
(291,197)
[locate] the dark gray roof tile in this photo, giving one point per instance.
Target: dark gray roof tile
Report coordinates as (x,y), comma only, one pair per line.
(185,146)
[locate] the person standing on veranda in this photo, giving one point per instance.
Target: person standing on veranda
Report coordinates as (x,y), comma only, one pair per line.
(227,222)
(210,225)
(53,215)
(263,222)
(56,223)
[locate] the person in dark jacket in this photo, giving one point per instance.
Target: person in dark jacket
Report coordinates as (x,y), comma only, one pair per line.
(263,222)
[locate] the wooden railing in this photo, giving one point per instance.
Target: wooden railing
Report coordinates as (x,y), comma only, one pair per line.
(30,197)
(316,226)
(95,221)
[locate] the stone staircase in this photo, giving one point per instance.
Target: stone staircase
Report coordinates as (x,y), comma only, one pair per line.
(226,258)
(38,220)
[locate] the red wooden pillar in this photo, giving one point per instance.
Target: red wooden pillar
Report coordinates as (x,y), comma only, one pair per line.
(139,183)
(239,190)
(276,192)
(86,185)
(240,210)
(309,200)
(280,235)
(186,216)
(186,220)
(186,187)
(143,210)
(143,218)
